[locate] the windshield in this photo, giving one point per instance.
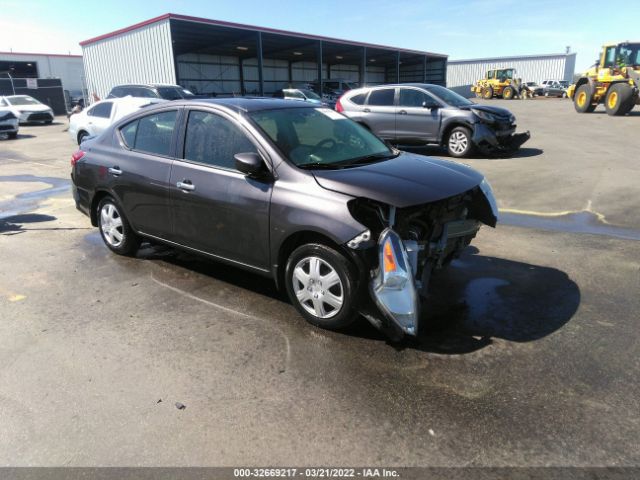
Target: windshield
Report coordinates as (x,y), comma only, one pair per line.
(448,97)
(174,93)
(310,94)
(628,54)
(23,100)
(320,137)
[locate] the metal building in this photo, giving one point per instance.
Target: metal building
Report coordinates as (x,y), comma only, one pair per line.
(461,74)
(222,58)
(68,68)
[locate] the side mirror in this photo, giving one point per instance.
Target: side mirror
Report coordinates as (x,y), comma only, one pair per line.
(250,163)
(431,106)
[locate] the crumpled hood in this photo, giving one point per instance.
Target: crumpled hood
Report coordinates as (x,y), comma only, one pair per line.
(404,181)
(501,112)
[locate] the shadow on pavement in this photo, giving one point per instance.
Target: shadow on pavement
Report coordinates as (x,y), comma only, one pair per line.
(475,299)
(15,223)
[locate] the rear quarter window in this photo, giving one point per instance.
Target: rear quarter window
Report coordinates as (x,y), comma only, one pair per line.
(358,99)
(151,134)
(382,98)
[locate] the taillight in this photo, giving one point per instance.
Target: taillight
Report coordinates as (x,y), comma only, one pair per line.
(339,107)
(76,156)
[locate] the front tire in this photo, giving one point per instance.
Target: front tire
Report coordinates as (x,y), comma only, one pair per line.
(618,100)
(487,93)
(459,143)
(115,230)
(508,93)
(12,135)
(322,286)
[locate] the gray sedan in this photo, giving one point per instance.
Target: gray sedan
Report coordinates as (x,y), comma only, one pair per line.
(418,114)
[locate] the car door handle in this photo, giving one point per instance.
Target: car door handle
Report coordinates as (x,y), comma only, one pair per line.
(186,186)
(366,110)
(115,171)
(402,112)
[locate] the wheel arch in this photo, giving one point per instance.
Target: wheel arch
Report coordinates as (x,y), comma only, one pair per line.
(79,134)
(303,237)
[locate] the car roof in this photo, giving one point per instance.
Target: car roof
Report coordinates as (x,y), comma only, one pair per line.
(238,104)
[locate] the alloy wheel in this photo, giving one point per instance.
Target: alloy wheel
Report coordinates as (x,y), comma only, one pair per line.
(458,142)
(318,287)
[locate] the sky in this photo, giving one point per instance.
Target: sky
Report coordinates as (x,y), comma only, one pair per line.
(459,28)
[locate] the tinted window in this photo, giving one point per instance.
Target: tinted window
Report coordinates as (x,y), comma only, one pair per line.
(154,132)
(214,140)
(382,97)
(102,110)
(359,99)
(414,98)
(140,92)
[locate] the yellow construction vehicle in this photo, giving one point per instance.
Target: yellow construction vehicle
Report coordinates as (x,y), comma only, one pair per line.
(497,83)
(613,80)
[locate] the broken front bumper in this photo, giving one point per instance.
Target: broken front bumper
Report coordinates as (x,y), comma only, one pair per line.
(491,140)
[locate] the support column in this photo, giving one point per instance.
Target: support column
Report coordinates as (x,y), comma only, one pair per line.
(397,67)
(424,69)
(242,90)
(290,71)
(260,72)
(319,61)
(363,68)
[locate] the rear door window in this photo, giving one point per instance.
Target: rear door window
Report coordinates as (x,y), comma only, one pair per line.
(382,98)
(151,134)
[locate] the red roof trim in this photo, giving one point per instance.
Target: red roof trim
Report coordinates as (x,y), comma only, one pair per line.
(221,23)
(42,54)
(126,29)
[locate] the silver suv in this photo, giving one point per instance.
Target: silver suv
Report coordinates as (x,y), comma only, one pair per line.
(420,113)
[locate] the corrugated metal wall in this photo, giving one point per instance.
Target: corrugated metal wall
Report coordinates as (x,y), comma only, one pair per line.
(461,74)
(108,62)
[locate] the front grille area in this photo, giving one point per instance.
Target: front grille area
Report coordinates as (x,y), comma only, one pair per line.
(38,117)
(7,127)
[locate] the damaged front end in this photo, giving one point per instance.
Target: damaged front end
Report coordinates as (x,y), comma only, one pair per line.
(494,134)
(412,242)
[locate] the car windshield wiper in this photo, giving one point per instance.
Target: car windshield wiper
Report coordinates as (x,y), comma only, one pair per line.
(320,166)
(378,157)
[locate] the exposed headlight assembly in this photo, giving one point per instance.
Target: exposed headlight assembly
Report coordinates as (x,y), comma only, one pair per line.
(393,288)
(488,193)
(486,116)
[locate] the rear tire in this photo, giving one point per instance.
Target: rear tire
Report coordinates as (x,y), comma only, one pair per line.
(583,98)
(115,230)
(322,286)
(618,100)
(12,135)
(459,143)
(508,93)
(487,93)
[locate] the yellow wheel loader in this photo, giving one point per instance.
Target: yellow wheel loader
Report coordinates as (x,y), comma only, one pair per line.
(613,80)
(497,83)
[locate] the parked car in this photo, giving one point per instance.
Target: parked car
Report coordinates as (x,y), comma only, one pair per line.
(9,124)
(166,92)
(300,94)
(27,109)
(95,119)
(534,87)
(419,113)
(332,89)
(555,89)
(297,193)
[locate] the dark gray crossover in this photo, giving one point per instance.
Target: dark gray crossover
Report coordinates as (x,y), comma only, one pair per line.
(344,223)
(420,113)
